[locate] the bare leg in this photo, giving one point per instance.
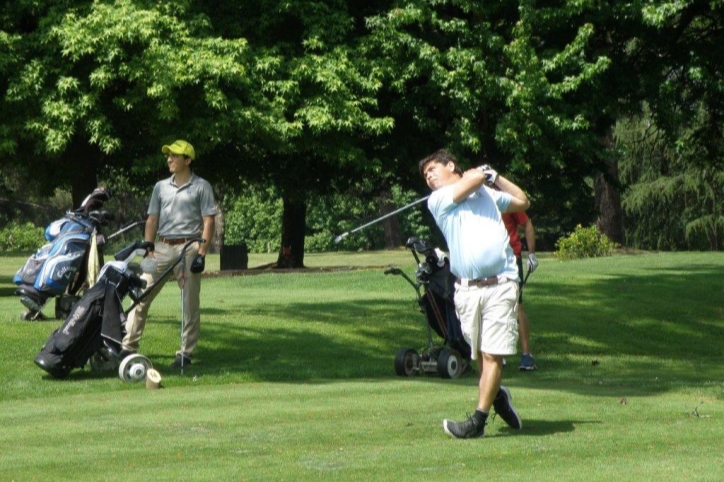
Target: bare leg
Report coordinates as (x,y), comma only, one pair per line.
(491,367)
(523,329)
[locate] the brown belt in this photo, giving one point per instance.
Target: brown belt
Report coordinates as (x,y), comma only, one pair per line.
(493,280)
(174,241)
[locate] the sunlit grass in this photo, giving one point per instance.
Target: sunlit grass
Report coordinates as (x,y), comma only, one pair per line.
(293,380)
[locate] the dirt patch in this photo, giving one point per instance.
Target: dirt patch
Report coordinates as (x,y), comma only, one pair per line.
(267,270)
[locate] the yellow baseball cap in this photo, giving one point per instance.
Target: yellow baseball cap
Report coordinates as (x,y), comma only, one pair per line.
(180,147)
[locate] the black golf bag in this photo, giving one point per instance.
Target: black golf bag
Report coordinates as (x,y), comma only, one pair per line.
(434,285)
(95,323)
(60,268)
(94,329)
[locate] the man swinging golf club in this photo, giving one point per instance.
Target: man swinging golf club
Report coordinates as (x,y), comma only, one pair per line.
(182,208)
(468,212)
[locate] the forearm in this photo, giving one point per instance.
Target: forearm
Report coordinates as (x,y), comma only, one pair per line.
(530,236)
(470,182)
(151,229)
(208,234)
(520,200)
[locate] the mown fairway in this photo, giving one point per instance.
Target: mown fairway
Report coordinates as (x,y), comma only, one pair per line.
(294,380)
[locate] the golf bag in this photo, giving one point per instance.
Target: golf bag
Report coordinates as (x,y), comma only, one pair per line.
(95,325)
(434,285)
(60,268)
(94,330)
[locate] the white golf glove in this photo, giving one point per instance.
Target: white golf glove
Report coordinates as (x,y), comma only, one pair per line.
(532,262)
(491,175)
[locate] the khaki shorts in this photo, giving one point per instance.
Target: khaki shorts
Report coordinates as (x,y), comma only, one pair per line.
(489,317)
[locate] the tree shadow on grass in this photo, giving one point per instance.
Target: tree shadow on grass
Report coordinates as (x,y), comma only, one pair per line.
(622,330)
(8,291)
(626,330)
(311,342)
(617,332)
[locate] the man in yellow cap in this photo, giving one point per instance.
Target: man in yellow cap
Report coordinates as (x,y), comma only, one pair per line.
(182,207)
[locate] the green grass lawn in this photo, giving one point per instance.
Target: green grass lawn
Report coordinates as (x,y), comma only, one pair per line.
(293,380)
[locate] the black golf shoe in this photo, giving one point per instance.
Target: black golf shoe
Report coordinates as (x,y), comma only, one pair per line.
(473,427)
(181,361)
(504,408)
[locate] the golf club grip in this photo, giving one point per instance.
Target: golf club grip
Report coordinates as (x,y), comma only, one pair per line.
(525,280)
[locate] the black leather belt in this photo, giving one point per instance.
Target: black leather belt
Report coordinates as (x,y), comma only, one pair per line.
(174,241)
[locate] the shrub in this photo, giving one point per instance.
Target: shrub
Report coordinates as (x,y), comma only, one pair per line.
(21,237)
(254,218)
(585,243)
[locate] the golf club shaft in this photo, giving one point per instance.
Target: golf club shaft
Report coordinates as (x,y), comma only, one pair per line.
(183,297)
(525,280)
(124,229)
(183,311)
(381,218)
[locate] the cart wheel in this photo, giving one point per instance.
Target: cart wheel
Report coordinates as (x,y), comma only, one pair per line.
(407,362)
(134,368)
(449,364)
(103,361)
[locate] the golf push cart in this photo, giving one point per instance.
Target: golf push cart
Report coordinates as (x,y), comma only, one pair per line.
(92,333)
(434,285)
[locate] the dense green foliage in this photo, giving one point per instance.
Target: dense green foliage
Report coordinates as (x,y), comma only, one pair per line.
(585,243)
(254,218)
(671,151)
(674,197)
(21,237)
(98,84)
(310,96)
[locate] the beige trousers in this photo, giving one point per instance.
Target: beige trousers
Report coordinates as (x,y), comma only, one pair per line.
(191,287)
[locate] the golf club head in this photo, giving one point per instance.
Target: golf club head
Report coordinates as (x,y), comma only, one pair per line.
(423,272)
(411,241)
(340,237)
(422,246)
(136,248)
(101,217)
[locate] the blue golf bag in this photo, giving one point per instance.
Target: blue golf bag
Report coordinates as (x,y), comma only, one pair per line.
(59,268)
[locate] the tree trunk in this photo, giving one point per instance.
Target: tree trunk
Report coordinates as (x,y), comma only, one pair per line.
(294,224)
(81,166)
(608,205)
(391,225)
(219,230)
(608,199)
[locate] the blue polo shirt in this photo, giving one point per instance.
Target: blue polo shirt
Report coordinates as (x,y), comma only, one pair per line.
(475,233)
